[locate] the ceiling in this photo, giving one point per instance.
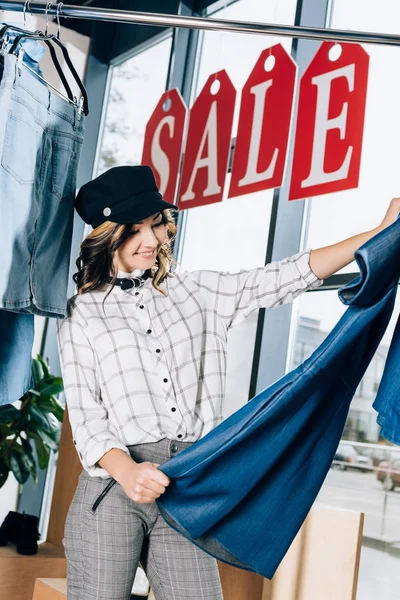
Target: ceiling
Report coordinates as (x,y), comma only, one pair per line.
(120,38)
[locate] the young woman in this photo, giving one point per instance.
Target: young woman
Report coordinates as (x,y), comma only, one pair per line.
(143,356)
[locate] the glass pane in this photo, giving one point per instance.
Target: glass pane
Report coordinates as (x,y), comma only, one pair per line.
(233,234)
(134,93)
(356,480)
(316,314)
(336,216)
(220,50)
(227,236)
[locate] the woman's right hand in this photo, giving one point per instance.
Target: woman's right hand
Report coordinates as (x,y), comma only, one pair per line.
(143,482)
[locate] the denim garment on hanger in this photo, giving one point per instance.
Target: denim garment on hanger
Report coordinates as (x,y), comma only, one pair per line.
(16,341)
(243,491)
(40,143)
(33,50)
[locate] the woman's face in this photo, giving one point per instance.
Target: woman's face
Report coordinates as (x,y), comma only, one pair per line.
(140,250)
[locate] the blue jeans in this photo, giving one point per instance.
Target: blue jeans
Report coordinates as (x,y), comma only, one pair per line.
(243,491)
(16,340)
(40,144)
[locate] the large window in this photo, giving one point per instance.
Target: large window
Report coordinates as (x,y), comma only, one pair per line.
(340,215)
(135,88)
(356,480)
(233,234)
(316,314)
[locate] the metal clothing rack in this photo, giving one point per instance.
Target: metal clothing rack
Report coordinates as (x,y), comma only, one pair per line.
(167,20)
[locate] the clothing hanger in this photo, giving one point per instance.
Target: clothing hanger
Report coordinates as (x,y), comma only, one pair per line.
(38,35)
(30,34)
(82,104)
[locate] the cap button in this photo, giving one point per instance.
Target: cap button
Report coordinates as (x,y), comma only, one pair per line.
(107,212)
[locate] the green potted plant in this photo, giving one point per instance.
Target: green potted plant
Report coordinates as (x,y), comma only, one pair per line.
(35,422)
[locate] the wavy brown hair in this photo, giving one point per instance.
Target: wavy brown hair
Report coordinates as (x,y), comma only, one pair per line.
(96,259)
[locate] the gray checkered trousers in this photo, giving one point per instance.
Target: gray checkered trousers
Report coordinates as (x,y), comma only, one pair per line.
(107,534)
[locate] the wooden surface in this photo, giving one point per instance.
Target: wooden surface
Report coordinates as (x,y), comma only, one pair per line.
(50,589)
(66,480)
(240,585)
(323,560)
(18,573)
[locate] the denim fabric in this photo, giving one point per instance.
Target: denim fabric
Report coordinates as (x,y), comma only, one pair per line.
(243,491)
(387,402)
(16,340)
(40,144)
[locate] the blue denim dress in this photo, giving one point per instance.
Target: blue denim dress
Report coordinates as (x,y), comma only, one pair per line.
(242,492)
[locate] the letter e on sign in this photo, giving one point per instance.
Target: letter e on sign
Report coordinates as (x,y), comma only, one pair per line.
(330,121)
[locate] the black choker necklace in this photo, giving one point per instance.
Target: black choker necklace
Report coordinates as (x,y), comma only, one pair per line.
(126,283)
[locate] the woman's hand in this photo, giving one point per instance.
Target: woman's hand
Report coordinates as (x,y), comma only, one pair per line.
(143,482)
(326,261)
(391,214)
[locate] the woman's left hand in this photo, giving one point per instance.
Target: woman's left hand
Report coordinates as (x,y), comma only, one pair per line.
(391,214)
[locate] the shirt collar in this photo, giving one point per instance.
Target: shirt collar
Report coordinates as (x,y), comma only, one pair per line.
(135,273)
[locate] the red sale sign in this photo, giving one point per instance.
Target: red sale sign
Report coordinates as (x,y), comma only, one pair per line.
(264,123)
(330,121)
(208,143)
(163,142)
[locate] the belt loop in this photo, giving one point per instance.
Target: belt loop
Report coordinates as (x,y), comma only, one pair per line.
(49,101)
(75,116)
(18,66)
(14,84)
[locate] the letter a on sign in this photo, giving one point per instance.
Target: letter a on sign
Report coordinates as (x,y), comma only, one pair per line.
(163,142)
(330,121)
(208,143)
(264,123)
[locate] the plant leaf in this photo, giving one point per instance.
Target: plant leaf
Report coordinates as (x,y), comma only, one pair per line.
(29,454)
(40,418)
(5,431)
(51,443)
(51,405)
(37,371)
(42,453)
(4,472)
(26,446)
(8,413)
(20,465)
(50,386)
(44,366)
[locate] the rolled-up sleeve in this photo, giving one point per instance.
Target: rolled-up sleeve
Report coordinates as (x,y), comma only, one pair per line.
(92,432)
(235,295)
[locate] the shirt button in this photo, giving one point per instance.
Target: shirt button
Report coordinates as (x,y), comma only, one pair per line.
(158,350)
(165,380)
(141,306)
(174,448)
(180,436)
(149,331)
(136,293)
(173,409)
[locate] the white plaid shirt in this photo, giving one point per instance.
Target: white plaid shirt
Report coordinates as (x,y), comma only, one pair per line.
(151,366)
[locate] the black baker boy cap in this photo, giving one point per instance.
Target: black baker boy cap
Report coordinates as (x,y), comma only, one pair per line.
(122,195)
